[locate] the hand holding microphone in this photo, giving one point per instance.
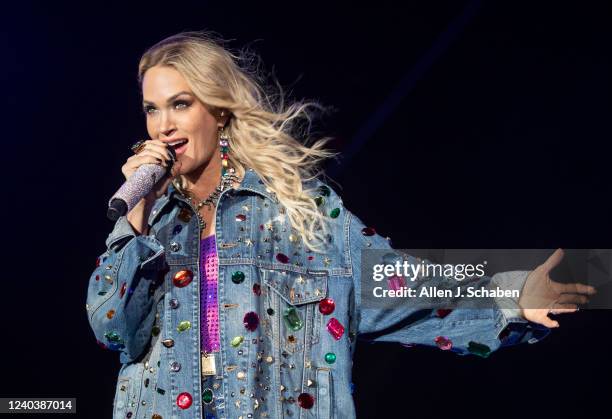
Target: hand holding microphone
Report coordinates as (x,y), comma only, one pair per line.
(148,174)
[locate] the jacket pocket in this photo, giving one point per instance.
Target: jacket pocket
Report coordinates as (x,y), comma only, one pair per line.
(295,298)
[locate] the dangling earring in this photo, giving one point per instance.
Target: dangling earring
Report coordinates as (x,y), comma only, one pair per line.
(224,139)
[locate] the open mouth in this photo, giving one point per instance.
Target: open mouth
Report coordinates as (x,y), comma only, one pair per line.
(179,146)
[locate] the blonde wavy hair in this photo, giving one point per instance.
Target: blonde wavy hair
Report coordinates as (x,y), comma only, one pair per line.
(265,132)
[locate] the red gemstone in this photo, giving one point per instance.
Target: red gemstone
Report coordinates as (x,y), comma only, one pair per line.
(443,343)
(261,227)
(122,290)
(240,217)
(182,278)
(368,231)
(327,306)
(306,401)
(224,156)
(396,283)
(97,262)
(101,344)
(443,312)
(335,328)
(257,289)
(251,320)
(97,277)
(282,258)
(310,257)
(184,400)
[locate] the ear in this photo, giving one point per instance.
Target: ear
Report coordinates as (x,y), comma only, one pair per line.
(223,115)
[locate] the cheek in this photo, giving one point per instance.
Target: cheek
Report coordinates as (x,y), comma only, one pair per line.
(150,129)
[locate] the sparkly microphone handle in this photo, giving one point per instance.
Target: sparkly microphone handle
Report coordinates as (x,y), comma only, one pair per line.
(136,187)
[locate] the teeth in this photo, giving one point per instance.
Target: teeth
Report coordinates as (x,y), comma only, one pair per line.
(177,142)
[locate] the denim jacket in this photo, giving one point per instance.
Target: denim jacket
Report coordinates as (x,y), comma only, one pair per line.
(144,300)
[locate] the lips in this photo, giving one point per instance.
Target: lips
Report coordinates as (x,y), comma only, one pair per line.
(180,148)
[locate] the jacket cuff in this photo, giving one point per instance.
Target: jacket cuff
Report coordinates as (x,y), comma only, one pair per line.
(518,329)
(512,280)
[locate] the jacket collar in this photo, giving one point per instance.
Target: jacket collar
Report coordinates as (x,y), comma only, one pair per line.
(250,182)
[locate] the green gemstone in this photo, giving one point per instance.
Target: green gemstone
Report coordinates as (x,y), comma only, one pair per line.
(330,357)
(237,277)
(479,349)
(112,336)
(319,200)
(292,317)
(155,330)
(334,213)
(237,341)
(184,325)
(207,396)
(324,190)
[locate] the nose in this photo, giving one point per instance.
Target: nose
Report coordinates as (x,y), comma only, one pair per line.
(166,125)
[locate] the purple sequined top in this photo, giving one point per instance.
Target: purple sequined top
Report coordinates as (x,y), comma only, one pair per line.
(209,307)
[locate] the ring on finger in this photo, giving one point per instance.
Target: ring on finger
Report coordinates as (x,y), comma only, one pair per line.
(138,146)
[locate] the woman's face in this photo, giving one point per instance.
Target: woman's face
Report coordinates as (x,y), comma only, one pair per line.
(173,113)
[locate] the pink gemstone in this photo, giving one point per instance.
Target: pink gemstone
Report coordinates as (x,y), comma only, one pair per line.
(240,217)
(327,306)
(184,400)
(306,401)
(261,227)
(251,320)
(257,289)
(122,290)
(335,328)
(443,312)
(396,282)
(368,231)
(282,258)
(443,343)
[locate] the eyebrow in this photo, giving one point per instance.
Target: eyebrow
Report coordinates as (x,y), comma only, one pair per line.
(170,99)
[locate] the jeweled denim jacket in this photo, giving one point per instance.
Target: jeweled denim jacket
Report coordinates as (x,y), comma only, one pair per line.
(143,301)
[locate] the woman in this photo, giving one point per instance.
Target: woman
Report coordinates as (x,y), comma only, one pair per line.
(233,289)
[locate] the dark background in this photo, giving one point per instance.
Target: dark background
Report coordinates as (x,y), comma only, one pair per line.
(463,124)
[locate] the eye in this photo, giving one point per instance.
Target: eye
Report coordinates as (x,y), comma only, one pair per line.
(147,109)
(181,104)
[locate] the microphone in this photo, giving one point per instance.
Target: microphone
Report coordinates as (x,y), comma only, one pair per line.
(137,187)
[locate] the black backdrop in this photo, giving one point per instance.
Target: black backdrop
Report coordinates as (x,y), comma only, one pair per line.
(464,124)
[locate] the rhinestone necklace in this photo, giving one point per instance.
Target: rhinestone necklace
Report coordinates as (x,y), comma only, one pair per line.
(211,200)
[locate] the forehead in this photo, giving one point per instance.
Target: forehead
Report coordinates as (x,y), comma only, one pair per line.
(160,83)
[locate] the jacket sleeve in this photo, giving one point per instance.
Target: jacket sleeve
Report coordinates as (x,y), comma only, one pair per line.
(477,331)
(121,292)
